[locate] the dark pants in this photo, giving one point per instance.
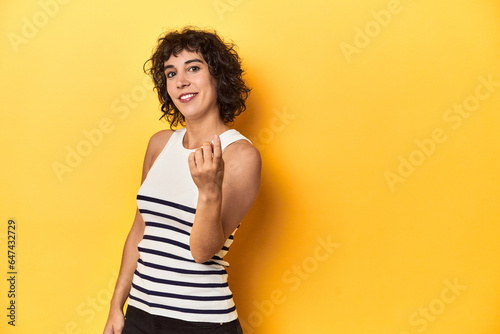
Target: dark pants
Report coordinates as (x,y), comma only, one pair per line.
(140,322)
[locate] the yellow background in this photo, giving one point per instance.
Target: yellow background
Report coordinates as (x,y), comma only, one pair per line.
(343,92)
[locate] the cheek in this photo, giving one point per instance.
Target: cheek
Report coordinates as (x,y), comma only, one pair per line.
(170,92)
(213,86)
(169,87)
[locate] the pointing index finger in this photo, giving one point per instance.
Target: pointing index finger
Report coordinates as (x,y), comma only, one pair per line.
(217,147)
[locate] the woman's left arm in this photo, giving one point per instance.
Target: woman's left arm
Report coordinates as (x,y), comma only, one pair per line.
(227,189)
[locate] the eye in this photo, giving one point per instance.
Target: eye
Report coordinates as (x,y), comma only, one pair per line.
(170,74)
(194,69)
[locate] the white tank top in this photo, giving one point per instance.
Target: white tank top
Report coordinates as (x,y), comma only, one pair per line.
(167,281)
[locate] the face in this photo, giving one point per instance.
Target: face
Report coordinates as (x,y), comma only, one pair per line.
(190,85)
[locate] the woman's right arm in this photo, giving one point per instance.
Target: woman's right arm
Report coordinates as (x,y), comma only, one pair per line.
(116,319)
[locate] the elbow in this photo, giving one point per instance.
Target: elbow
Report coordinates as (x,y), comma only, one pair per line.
(200,258)
(203,252)
(200,254)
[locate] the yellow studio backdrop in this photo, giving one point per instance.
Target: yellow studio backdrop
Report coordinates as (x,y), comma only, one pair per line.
(377,121)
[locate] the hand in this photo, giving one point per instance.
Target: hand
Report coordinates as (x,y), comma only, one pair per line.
(115,323)
(207,166)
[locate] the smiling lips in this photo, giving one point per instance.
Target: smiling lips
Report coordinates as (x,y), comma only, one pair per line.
(187,97)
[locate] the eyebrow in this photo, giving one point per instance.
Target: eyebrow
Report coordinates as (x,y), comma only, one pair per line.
(186,62)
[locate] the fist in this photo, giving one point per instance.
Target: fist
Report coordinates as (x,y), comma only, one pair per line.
(207,166)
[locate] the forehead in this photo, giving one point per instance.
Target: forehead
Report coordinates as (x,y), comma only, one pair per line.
(183,57)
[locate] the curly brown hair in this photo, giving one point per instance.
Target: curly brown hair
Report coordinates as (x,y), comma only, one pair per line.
(223,62)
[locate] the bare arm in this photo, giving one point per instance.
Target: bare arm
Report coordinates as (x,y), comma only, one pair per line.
(115,322)
(130,256)
(227,189)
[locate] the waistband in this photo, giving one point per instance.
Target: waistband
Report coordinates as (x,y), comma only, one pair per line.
(153,323)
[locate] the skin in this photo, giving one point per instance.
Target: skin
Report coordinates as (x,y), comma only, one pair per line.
(228,181)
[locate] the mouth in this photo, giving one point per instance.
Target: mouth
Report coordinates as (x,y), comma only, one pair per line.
(186,97)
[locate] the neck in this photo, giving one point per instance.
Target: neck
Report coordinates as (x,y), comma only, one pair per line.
(201,131)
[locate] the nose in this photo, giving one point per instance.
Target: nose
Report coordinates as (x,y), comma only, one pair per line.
(182,80)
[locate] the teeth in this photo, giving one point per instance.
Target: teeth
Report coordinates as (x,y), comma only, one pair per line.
(187,96)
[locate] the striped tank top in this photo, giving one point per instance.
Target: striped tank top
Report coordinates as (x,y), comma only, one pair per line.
(167,281)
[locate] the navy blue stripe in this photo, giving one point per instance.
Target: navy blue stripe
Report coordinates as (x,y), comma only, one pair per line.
(183,271)
(159,214)
(172,256)
(167,241)
(194,285)
(168,203)
(225,248)
(155,252)
(184,310)
(167,227)
(177,296)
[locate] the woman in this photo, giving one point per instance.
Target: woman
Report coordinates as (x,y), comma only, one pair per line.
(198,183)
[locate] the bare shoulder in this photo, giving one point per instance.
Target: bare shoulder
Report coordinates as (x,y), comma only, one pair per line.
(242,155)
(156,144)
(242,149)
(159,139)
